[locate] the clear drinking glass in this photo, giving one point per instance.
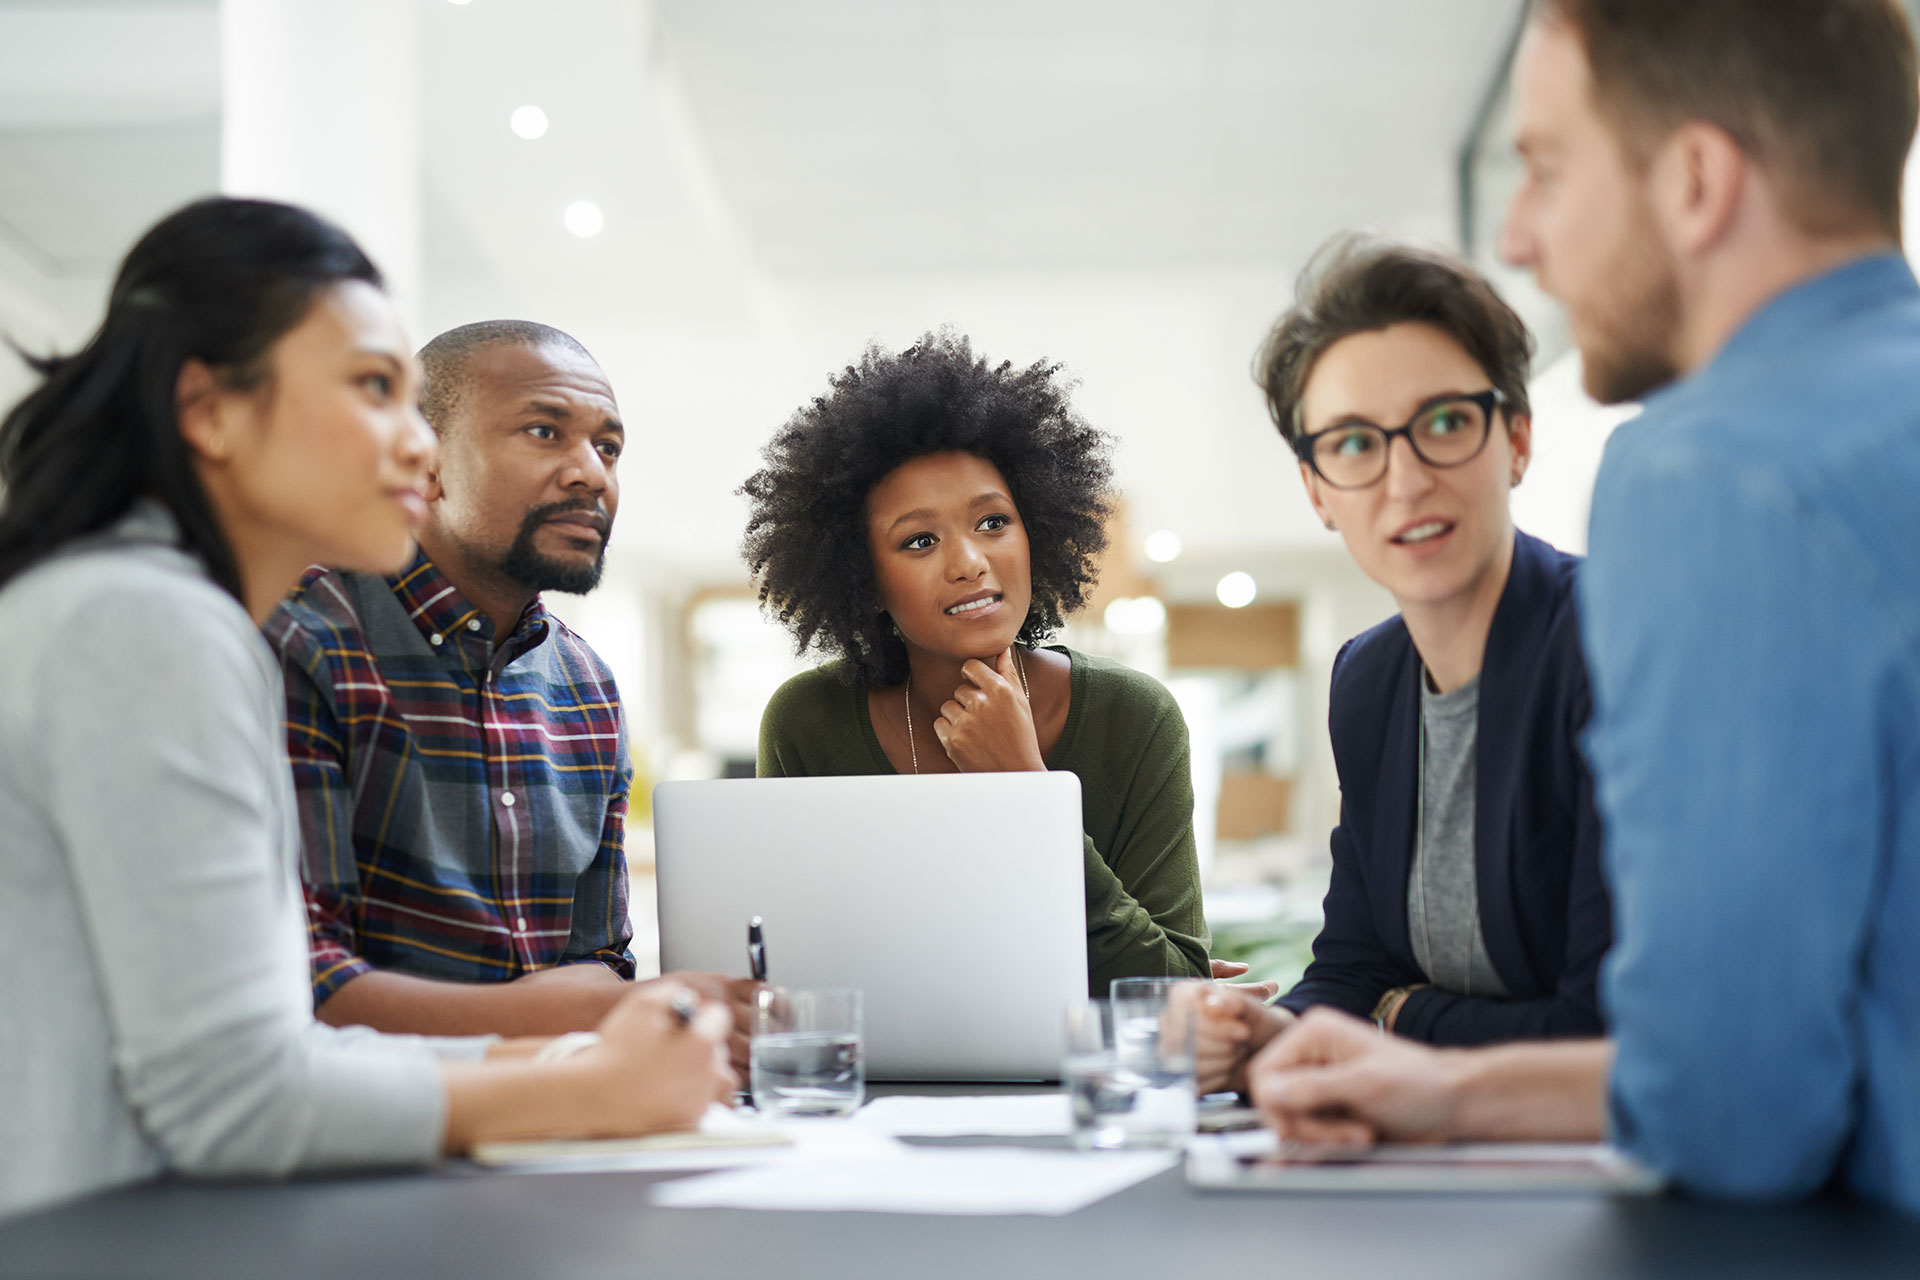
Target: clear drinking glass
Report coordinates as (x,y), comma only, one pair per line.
(1129,1073)
(806,1056)
(1149,988)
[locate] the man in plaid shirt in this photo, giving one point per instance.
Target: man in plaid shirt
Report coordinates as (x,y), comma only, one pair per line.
(459,754)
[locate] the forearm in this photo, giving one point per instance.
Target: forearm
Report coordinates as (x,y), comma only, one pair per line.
(1351,969)
(1124,939)
(547,1003)
(1354,989)
(1531,1092)
(509,1098)
(1439,1017)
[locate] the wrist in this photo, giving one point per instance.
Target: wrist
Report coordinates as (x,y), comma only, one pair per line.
(1269,1022)
(1386,1011)
(1463,1093)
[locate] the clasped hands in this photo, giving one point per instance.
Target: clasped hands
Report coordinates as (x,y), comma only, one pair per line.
(1324,1077)
(986,726)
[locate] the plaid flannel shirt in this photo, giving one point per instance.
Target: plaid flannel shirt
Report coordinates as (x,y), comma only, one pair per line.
(462,803)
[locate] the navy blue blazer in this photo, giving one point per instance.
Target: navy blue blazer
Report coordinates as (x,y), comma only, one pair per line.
(1544,910)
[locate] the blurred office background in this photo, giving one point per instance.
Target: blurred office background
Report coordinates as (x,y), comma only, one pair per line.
(726,199)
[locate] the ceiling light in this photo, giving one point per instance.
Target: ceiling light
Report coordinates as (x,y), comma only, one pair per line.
(1236,590)
(459,1)
(1163,546)
(529,122)
(584,219)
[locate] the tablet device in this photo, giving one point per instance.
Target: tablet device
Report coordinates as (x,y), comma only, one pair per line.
(1257,1162)
(956,903)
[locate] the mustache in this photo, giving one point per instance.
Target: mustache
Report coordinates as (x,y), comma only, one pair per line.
(578,506)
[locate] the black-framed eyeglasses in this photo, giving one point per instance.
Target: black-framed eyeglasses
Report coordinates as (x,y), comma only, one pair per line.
(1448,431)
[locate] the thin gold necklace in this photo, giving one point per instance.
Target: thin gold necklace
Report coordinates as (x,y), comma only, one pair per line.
(913,752)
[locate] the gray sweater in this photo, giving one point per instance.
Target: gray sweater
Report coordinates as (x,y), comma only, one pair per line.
(154,1007)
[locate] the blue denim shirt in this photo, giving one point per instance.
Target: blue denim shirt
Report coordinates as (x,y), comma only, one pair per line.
(1752,623)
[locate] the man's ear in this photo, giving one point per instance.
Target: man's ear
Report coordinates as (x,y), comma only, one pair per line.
(1698,181)
(433,490)
(197,406)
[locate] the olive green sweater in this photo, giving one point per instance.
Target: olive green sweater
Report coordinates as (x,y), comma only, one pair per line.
(1126,741)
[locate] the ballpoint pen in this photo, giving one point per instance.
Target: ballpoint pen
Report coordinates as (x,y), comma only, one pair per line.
(756,951)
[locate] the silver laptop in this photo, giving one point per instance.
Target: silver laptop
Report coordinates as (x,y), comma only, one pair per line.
(956,903)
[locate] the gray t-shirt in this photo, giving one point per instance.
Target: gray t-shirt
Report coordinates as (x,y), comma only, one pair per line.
(156,1013)
(1443,898)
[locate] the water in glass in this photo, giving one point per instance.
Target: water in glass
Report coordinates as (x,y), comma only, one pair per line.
(807,1073)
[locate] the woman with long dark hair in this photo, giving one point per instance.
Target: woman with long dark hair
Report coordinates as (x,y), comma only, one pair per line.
(246,408)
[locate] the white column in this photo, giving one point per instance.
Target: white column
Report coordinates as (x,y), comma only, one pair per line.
(321,108)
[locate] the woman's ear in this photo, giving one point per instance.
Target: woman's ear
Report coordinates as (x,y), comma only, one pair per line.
(198,407)
(1312,485)
(1519,446)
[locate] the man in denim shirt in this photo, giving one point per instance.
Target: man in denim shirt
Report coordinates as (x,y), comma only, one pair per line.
(1713,189)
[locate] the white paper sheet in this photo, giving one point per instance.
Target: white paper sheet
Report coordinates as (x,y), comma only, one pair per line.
(726,1139)
(1025,1115)
(964,1180)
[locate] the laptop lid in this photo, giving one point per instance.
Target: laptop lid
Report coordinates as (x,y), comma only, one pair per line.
(957,903)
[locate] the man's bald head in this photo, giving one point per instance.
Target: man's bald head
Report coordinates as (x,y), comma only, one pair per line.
(447,362)
(530,439)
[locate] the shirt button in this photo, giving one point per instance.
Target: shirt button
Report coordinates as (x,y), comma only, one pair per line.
(473,625)
(506,798)
(436,639)
(521,924)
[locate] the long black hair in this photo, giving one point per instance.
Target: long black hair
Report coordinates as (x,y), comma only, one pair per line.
(219,281)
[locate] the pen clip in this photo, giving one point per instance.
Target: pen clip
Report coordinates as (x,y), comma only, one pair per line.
(756,951)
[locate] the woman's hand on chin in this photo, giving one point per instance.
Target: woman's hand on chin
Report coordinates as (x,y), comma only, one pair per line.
(987,725)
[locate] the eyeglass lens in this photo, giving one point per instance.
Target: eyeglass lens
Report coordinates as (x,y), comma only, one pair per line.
(1444,435)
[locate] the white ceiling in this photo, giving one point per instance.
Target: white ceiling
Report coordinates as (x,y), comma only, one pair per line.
(109,114)
(1127,186)
(874,135)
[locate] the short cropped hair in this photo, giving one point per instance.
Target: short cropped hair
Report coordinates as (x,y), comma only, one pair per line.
(1358,283)
(1821,93)
(806,540)
(445,362)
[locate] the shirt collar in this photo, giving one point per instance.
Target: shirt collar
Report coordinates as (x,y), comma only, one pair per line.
(438,608)
(1814,306)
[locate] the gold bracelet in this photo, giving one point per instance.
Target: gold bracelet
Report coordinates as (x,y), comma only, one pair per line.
(1390,1003)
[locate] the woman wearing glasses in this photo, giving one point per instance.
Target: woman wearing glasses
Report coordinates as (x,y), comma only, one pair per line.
(1466,904)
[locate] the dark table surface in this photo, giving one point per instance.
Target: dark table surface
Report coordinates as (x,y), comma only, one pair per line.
(461,1222)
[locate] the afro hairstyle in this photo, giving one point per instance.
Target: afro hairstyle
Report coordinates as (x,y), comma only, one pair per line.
(806,540)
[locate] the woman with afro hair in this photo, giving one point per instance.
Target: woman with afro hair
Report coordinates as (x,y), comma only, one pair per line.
(929,523)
